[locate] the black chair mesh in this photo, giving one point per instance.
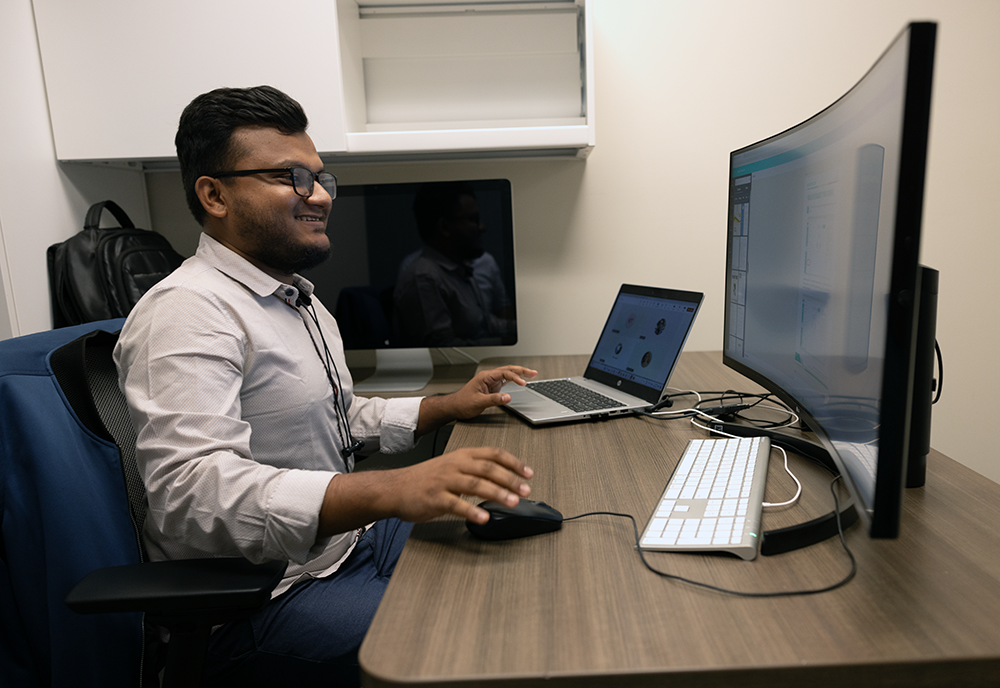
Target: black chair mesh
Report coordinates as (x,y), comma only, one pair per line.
(102,376)
(86,372)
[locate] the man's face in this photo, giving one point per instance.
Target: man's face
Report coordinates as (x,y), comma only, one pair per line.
(464,230)
(270,223)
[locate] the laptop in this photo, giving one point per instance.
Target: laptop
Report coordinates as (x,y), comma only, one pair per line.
(630,367)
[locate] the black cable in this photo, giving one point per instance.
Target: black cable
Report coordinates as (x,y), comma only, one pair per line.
(680,413)
(668,400)
(339,403)
(767,424)
(790,593)
(726,409)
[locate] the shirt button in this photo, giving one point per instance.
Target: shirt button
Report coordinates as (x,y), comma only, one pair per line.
(289,292)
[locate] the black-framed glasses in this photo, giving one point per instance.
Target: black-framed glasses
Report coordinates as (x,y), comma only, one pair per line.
(302,179)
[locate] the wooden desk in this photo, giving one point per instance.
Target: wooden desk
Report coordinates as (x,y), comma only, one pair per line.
(577,607)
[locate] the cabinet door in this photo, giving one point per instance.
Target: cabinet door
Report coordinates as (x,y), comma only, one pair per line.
(118,73)
(438,77)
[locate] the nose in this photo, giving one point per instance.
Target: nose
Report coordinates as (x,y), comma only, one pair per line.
(320,196)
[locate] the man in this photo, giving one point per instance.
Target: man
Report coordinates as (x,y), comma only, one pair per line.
(451,291)
(246,418)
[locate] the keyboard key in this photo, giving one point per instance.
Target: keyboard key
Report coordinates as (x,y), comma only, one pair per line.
(723,480)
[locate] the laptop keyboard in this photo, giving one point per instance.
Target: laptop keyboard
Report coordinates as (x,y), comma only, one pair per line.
(573,396)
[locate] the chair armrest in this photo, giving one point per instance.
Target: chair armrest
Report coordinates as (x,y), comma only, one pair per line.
(209,590)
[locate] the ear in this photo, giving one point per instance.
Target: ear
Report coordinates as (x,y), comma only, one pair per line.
(210,193)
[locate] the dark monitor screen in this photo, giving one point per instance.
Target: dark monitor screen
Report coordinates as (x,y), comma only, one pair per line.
(822,266)
(421,265)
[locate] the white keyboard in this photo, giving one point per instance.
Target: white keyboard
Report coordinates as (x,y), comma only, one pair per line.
(713,500)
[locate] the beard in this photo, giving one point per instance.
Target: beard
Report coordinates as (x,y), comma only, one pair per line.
(274,247)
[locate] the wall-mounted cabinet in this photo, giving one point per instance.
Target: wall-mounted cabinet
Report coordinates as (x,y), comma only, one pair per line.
(379,79)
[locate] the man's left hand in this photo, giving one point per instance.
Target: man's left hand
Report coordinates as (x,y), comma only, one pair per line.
(478,394)
(483,391)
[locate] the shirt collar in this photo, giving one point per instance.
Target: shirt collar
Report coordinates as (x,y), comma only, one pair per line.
(238,268)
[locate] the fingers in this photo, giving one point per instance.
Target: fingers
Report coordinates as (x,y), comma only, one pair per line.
(495,474)
(502,458)
(485,473)
(516,374)
(484,391)
(495,379)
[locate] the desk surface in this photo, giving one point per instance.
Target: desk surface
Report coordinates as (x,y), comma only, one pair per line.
(577,607)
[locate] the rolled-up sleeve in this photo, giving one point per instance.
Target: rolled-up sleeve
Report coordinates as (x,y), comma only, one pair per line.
(385,425)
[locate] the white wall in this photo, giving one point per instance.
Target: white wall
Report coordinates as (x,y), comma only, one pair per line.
(679,85)
(41,201)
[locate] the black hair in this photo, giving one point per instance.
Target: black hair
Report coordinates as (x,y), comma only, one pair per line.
(204,138)
(435,201)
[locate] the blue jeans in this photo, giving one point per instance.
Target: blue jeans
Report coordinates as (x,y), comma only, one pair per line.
(310,634)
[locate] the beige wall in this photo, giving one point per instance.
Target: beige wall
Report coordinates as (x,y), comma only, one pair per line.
(681,84)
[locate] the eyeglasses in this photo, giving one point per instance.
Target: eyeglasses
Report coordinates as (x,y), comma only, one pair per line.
(302,179)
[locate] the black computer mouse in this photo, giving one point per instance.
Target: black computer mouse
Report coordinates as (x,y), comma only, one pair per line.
(509,522)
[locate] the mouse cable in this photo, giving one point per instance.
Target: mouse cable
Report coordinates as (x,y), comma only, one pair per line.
(708,586)
(766,505)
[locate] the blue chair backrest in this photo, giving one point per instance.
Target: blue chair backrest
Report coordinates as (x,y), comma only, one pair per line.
(64,512)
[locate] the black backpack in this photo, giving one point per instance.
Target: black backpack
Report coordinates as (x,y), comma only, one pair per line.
(101,273)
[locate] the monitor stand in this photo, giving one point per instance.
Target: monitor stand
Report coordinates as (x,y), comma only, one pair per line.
(398,370)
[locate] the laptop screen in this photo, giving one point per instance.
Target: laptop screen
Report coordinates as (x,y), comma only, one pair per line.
(642,339)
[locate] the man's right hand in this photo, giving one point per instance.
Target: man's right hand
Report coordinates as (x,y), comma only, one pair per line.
(425,490)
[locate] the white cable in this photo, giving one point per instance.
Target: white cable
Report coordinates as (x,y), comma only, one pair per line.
(793,417)
(798,492)
(683,410)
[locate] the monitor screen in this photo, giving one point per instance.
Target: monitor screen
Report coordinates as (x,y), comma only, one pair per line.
(822,268)
(421,265)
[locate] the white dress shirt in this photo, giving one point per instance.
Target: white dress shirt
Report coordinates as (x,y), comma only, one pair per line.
(238,435)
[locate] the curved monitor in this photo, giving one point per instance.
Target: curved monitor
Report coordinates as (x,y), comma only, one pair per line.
(417,266)
(822,270)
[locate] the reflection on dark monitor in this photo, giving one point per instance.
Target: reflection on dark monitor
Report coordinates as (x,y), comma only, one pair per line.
(417,266)
(823,273)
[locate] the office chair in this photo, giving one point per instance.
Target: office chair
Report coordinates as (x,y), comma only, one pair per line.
(77,598)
